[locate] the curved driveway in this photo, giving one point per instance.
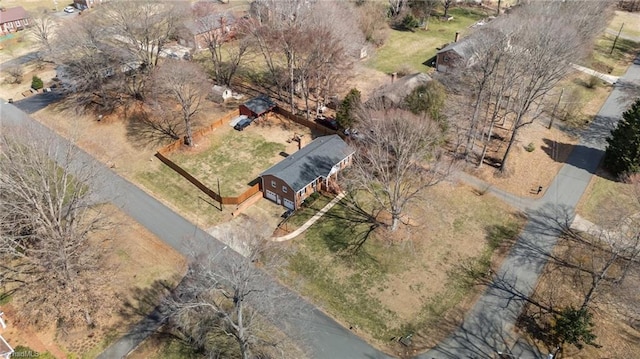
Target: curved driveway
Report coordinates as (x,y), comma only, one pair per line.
(487,326)
(319,335)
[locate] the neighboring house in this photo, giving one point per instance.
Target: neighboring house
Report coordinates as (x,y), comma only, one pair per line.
(197,33)
(86,4)
(13,19)
(393,94)
(257,106)
(453,53)
(220,94)
(5,349)
(305,172)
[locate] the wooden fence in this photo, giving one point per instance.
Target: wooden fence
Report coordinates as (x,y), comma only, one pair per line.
(201,133)
(205,131)
(198,135)
(304,122)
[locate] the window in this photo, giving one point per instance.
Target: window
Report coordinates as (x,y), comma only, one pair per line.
(284,189)
(273,184)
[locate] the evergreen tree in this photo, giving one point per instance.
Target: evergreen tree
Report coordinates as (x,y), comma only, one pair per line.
(346,112)
(574,326)
(623,150)
(36,83)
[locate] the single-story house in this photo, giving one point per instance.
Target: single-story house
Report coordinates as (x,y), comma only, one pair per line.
(292,180)
(13,19)
(257,106)
(453,53)
(393,94)
(197,33)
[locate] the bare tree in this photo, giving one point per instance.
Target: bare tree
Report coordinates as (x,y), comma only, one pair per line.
(90,68)
(399,158)
(47,213)
(15,74)
(141,30)
(546,57)
(372,21)
(43,28)
(218,29)
(219,295)
(446,4)
(186,85)
(396,7)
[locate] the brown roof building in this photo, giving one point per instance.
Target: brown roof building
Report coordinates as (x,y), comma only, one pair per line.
(13,19)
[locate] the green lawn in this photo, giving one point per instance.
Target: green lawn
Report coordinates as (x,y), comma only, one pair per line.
(412,49)
(236,158)
(369,289)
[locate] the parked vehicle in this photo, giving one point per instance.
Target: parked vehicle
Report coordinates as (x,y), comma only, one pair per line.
(242,124)
(69,9)
(328,122)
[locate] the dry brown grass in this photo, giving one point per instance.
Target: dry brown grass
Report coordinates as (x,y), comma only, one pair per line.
(612,327)
(135,259)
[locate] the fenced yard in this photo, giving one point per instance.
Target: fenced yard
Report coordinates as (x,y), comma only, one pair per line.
(234,158)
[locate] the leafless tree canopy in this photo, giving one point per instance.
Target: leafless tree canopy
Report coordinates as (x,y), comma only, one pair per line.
(306,45)
(183,84)
(397,159)
(46,215)
(43,28)
(514,63)
(220,296)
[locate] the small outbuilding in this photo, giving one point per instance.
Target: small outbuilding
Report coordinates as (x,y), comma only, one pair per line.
(257,106)
(292,180)
(220,94)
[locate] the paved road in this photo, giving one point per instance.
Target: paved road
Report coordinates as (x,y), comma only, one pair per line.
(20,60)
(320,335)
(37,102)
(487,326)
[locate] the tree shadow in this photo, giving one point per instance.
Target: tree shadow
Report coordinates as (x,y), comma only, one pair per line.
(143,131)
(581,156)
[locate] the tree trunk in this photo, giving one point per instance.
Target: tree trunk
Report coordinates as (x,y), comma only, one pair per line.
(188,138)
(503,166)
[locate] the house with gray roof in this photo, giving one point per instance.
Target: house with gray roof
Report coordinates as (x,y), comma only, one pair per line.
(292,180)
(450,55)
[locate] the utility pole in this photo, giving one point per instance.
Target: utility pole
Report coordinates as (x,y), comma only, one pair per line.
(616,39)
(553,114)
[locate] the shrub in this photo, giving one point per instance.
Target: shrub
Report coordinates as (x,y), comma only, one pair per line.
(409,22)
(36,83)
(530,147)
(14,74)
(592,82)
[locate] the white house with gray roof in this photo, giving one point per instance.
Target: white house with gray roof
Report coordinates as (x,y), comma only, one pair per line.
(292,180)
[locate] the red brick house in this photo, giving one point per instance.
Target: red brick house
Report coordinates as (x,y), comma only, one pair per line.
(196,34)
(292,180)
(257,106)
(13,19)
